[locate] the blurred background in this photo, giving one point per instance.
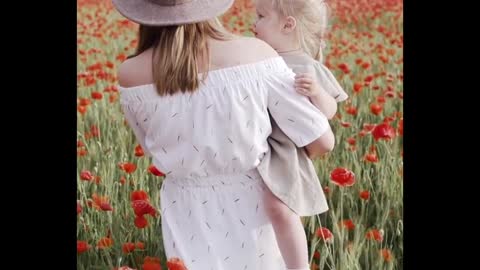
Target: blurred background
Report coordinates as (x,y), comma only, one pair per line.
(363,228)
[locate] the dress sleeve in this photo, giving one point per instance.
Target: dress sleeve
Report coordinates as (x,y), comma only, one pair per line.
(327,81)
(295,115)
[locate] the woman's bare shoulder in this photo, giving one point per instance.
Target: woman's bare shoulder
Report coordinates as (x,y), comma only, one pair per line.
(239,51)
(258,48)
(135,70)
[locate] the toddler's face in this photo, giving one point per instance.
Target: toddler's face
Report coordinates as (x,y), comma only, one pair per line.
(269,24)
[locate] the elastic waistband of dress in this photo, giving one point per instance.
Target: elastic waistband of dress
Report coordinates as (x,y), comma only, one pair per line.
(217,180)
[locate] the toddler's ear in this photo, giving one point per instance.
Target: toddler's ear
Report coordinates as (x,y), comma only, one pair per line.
(290,24)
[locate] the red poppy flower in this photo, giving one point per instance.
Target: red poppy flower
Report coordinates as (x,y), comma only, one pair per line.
(175,264)
(374,234)
(383,131)
(121,57)
(381,99)
(386,254)
(352,110)
(389,94)
(86,175)
(139,195)
(342,177)
(357,87)
(325,234)
(376,108)
(151,263)
(369,78)
(94,131)
(372,157)
(348,224)
(344,67)
(153,170)
(112,98)
(140,245)
(81,109)
(82,246)
(122,180)
(128,247)
(109,64)
(79,208)
(85,101)
(143,207)
(97,95)
(140,222)
(101,203)
(365,65)
(105,242)
(364,195)
(351,141)
(138,151)
(128,167)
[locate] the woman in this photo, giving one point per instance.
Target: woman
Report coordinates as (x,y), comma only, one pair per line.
(198,100)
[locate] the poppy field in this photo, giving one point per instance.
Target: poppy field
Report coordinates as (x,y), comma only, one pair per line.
(118,215)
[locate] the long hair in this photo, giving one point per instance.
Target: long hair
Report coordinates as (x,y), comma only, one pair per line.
(177,51)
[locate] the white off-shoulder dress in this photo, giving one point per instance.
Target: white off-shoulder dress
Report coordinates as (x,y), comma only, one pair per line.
(209,143)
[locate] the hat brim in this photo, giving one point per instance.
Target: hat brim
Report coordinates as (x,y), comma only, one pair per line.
(147,13)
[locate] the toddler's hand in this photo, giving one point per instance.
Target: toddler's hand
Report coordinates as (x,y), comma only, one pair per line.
(306,85)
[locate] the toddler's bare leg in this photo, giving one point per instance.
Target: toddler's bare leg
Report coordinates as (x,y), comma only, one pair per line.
(289,232)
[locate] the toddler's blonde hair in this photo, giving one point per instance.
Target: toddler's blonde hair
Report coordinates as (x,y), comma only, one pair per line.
(312,18)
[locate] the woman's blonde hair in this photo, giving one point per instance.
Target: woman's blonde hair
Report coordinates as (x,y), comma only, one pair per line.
(312,18)
(177,50)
